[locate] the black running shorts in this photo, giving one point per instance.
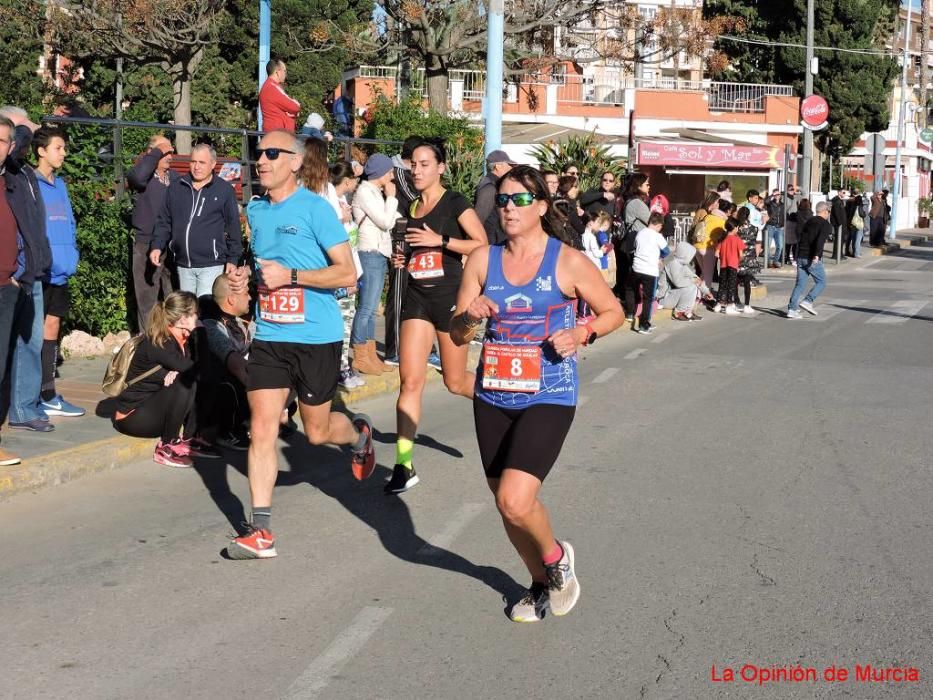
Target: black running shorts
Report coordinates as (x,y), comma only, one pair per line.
(433,304)
(56,300)
(528,439)
(311,370)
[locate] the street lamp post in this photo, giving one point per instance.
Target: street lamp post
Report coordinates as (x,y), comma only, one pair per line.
(495,37)
(807,161)
(901,126)
(265,42)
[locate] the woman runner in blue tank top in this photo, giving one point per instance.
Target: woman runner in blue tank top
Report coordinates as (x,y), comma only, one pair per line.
(526,382)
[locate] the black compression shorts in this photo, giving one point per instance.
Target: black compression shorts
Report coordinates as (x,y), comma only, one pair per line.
(433,304)
(528,439)
(311,370)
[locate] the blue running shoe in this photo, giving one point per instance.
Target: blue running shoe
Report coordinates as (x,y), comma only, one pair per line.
(59,407)
(434,361)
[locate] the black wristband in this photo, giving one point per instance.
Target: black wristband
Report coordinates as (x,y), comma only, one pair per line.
(444,241)
(294,276)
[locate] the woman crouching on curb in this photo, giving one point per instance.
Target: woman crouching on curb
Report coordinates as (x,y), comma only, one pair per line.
(161,403)
(526,383)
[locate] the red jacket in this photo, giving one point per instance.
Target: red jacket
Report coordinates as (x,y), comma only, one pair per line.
(279,111)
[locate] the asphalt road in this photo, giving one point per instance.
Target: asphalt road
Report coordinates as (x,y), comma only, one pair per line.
(741,491)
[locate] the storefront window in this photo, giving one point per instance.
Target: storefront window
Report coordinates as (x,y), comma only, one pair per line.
(740,184)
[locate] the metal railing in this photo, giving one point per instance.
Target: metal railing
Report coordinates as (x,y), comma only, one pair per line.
(602,89)
(248,141)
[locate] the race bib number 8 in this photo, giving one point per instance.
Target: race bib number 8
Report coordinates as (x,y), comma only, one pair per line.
(427,264)
(284,305)
(512,367)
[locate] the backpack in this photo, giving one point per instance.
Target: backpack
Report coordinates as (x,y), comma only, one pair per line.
(119,367)
(699,234)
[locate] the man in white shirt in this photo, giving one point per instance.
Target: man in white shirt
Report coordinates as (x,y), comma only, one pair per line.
(650,248)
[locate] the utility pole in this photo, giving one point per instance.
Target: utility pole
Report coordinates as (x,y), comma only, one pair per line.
(495,37)
(807,162)
(901,125)
(265,44)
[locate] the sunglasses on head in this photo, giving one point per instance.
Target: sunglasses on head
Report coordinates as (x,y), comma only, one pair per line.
(272,153)
(521,199)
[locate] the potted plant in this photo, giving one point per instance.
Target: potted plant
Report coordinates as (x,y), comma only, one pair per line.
(924,206)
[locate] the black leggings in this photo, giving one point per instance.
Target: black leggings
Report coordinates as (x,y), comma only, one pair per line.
(745,278)
(728,285)
(162,415)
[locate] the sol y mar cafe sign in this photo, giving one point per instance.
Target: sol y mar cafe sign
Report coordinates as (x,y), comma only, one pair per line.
(814,113)
(696,155)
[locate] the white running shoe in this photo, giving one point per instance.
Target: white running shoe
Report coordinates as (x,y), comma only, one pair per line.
(808,307)
(749,310)
(533,605)
(732,311)
(563,587)
(793,313)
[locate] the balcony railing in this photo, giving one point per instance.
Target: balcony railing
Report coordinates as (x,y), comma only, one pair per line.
(607,90)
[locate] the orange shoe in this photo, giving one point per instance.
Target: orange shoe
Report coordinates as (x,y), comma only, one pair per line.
(8,459)
(255,544)
(363,462)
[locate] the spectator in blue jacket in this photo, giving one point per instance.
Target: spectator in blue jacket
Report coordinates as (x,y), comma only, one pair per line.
(200,221)
(50,148)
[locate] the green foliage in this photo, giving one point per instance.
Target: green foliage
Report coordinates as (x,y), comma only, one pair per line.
(856,86)
(19,58)
(101,290)
(388,121)
(591,157)
(925,206)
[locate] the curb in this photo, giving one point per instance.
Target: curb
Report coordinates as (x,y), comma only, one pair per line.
(72,463)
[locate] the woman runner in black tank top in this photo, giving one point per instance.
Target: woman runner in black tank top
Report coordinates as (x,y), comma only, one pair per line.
(442,230)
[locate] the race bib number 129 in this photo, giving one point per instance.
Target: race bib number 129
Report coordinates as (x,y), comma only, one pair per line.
(283,305)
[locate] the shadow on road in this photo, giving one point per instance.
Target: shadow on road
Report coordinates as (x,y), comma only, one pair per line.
(327,469)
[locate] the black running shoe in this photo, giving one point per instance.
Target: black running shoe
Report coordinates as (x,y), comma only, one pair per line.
(402,479)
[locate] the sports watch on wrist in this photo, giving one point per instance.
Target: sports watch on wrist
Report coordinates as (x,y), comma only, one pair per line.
(444,241)
(591,335)
(294,276)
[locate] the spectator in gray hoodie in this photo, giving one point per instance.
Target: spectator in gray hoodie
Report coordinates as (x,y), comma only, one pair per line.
(679,288)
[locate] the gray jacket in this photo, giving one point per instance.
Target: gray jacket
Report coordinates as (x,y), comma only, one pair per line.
(679,272)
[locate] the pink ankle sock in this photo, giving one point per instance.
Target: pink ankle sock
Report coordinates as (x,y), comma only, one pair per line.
(554,555)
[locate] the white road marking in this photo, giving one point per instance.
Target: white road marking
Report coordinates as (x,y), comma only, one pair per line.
(635,353)
(899,312)
(605,375)
(833,307)
(322,669)
(467,513)
(661,338)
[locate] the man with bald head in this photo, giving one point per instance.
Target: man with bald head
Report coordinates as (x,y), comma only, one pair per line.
(302,255)
(149,178)
(200,223)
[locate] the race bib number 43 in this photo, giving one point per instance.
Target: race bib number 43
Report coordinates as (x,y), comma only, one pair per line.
(512,367)
(427,264)
(283,305)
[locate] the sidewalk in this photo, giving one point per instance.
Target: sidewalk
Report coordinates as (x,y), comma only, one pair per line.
(82,446)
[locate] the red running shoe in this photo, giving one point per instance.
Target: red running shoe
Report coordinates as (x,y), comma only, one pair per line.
(255,544)
(363,463)
(170,454)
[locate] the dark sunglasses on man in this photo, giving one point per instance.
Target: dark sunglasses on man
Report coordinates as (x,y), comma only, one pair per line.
(271,153)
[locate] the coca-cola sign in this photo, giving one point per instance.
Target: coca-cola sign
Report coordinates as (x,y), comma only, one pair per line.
(814,112)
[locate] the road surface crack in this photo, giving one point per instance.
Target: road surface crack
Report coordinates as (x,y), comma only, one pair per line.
(764,579)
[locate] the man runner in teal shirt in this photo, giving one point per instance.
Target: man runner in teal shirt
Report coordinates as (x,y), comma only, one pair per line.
(302,254)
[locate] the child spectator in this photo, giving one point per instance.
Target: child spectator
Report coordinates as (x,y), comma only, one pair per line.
(650,247)
(729,251)
(749,264)
(679,287)
(50,148)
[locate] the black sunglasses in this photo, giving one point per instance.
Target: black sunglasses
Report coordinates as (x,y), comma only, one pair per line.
(271,153)
(521,199)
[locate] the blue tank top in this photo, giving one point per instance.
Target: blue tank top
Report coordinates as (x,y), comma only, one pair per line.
(528,315)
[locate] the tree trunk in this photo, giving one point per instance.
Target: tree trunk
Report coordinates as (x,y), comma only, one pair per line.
(181,91)
(924,71)
(437,81)
(182,73)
